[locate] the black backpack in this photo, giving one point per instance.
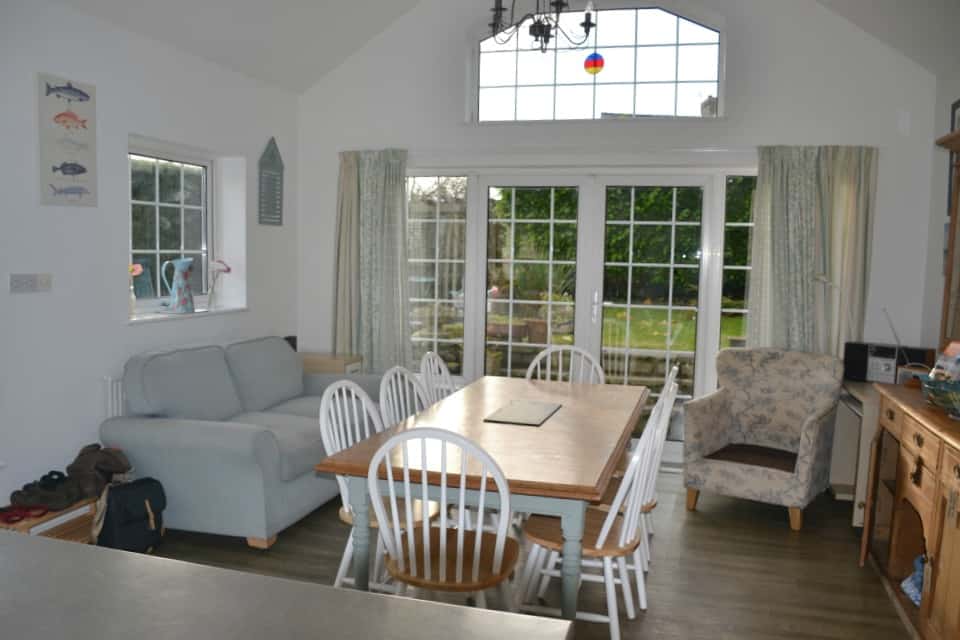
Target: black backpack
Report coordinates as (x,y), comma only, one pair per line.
(134,518)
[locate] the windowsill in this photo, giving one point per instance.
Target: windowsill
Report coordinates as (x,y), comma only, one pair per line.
(147,316)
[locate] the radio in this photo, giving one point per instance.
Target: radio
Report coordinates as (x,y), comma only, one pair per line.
(873,362)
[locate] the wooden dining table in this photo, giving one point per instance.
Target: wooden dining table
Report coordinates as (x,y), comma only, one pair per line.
(555,469)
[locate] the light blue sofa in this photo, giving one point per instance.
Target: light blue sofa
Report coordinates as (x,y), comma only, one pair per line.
(232,432)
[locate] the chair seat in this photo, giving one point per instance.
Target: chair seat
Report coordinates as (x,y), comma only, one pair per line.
(486,577)
(433,510)
(757,456)
(546,532)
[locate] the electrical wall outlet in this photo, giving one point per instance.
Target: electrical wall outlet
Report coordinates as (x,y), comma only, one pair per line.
(31,282)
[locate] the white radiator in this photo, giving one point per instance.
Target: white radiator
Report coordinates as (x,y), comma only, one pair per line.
(113,397)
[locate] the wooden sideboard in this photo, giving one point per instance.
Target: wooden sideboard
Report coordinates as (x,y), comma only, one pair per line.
(913,500)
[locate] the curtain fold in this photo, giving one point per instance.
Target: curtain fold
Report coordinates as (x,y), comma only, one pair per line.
(813,216)
(372,259)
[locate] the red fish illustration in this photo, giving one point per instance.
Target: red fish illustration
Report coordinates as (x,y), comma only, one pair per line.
(69,120)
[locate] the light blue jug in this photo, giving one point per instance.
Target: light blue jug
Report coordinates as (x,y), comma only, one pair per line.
(181,295)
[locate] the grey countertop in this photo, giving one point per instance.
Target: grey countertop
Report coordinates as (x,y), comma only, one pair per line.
(51,589)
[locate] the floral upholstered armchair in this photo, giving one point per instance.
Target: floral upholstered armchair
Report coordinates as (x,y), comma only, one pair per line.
(767,433)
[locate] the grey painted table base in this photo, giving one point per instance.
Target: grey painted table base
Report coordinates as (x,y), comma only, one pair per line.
(570,512)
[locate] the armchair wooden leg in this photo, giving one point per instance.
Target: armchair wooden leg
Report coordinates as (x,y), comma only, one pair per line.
(692,496)
(796,518)
(261,543)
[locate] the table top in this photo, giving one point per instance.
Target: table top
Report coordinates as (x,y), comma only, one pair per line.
(932,417)
(54,589)
(571,455)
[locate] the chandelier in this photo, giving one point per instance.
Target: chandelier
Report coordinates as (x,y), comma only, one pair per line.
(544,25)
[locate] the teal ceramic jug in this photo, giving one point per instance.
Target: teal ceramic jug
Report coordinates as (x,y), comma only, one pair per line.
(181,295)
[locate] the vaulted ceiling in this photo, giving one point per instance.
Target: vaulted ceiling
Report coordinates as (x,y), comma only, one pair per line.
(286,43)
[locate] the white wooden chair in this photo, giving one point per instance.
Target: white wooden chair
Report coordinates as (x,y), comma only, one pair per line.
(447,556)
(436,377)
(347,416)
(611,535)
(401,396)
(566,364)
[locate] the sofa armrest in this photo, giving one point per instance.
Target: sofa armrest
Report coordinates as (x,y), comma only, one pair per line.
(314,384)
(707,425)
(816,442)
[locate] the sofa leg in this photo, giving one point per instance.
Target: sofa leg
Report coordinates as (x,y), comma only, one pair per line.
(692,495)
(796,518)
(261,543)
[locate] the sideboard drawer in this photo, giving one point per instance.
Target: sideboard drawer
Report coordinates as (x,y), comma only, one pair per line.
(950,469)
(891,416)
(920,441)
(917,483)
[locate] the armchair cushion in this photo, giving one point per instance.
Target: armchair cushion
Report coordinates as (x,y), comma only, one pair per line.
(267,372)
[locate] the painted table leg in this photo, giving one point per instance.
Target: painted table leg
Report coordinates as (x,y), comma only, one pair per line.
(360,505)
(572,525)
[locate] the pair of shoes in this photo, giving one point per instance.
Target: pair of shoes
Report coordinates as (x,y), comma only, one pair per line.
(13,515)
(94,468)
(54,491)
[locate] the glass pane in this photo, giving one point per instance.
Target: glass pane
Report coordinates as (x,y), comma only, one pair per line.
(530,281)
(740,198)
(616,27)
(143,182)
(615,327)
(496,360)
(614,101)
(698,63)
(498,241)
(499,202)
(452,194)
(192,184)
(618,203)
(649,371)
(531,240)
(564,241)
(170,190)
(570,23)
(653,203)
(421,239)
(497,104)
(656,99)
(617,243)
(687,249)
(498,280)
(686,287)
(145,285)
(735,288)
(615,285)
(564,282)
(617,65)
(565,204)
(656,26)
(651,285)
(533,204)
(570,68)
(422,198)
(168,271)
(651,244)
(689,204)
(648,328)
(736,246)
(561,324)
(452,354)
(691,32)
(614,365)
(697,100)
(450,281)
(535,103)
(421,319)
(683,330)
(420,347)
(685,375)
(192,229)
(143,227)
(656,64)
(450,321)
(733,330)
(498,321)
(452,240)
(498,69)
(422,280)
(520,359)
(170,228)
(575,102)
(535,67)
(529,324)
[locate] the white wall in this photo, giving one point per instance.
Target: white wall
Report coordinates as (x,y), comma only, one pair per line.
(56,347)
(796,74)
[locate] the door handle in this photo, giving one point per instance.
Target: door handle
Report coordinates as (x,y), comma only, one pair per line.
(595,308)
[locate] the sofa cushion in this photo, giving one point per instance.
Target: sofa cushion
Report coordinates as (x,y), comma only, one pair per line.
(267,372)
(192,383)
(306,406)
(298,440)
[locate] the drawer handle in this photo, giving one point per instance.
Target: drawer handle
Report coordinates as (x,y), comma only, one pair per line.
(890,414)
(918,439)
(917,475)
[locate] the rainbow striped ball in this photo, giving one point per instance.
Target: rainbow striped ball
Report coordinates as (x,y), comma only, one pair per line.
(593,64)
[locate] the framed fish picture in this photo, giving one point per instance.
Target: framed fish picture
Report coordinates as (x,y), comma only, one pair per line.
(67,153)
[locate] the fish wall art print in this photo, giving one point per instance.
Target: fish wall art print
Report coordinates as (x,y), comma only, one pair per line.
(67,138)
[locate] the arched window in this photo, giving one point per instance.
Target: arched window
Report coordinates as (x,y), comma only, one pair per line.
(652,63)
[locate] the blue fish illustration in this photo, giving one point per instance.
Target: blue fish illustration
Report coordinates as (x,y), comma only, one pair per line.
(68,92)
(70,169)
(71,144)
(70,191)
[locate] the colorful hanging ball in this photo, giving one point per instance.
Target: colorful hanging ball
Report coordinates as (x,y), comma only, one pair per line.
(593,64)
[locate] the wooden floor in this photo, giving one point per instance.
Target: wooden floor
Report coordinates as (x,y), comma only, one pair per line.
(732,570)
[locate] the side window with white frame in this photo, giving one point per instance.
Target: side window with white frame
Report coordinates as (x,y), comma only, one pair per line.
(169,220)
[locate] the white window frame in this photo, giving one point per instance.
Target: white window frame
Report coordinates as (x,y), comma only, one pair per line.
(150,308)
